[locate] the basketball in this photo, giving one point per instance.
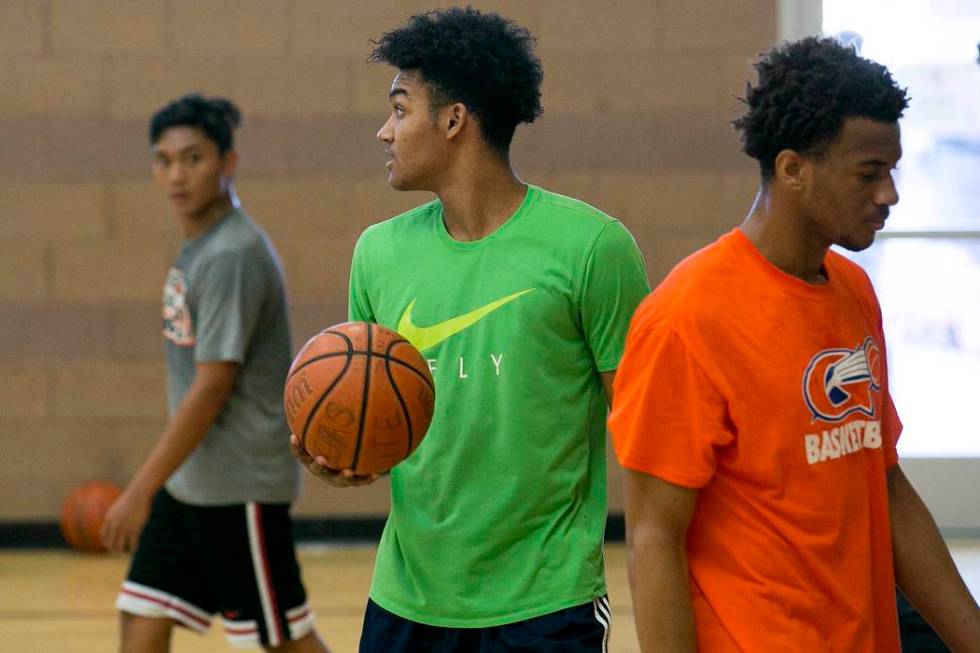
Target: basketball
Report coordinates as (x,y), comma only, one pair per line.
(359,395)
(82,513)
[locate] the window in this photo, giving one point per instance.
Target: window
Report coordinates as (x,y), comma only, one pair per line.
(926,263)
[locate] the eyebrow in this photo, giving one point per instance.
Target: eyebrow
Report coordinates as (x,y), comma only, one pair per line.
(397,91)
(156,151)
(875,162)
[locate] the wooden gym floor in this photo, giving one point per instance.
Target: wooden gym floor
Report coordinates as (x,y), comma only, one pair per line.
(57,601)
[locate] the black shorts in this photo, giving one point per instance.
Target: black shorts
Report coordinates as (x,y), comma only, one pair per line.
(195,561)
(579,629)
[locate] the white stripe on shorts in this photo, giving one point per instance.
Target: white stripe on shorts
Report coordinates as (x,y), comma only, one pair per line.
(600,607)
(256,542)
(241,634)
(144,601)
(301,621)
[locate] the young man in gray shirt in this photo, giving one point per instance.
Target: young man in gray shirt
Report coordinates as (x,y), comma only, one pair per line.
(207,513)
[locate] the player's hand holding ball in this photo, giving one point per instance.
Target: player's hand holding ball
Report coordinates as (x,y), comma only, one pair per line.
(359,399)
(318,466)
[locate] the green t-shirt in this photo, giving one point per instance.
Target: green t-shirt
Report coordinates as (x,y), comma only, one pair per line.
(499,514)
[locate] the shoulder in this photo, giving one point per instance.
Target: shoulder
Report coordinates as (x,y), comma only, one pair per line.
(402,223)
(237,238)
(569,211)
(576,227)
(694,291)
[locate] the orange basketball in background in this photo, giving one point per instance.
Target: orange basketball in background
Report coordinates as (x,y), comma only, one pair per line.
(82,513)
(359,395)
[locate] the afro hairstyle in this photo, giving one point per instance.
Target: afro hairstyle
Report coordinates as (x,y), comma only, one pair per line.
(481,60)
(806,90)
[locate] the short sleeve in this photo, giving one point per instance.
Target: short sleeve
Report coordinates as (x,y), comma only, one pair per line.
(359,304)
(668,419)
(615,282)
(891,425)
(229,299)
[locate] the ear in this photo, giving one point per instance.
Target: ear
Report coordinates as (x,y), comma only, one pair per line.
(792,170)
(454,119)
(229,161)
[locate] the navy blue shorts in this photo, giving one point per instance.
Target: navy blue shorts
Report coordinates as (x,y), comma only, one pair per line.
(195,561)
(580,629)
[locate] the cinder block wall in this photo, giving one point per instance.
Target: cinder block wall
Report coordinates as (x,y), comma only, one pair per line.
(638,96)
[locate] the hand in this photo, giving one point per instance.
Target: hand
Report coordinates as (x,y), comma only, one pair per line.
(124,521)
(318,466)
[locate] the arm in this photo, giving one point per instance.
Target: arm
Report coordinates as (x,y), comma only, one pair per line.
(657,517)
(607,383)
(925,571)
(212,385)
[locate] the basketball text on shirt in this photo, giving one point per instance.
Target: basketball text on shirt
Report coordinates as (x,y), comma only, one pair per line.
(839,383)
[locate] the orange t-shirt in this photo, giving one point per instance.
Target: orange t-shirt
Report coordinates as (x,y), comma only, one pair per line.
(769,395)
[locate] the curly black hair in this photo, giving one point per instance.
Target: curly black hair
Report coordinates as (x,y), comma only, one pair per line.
(482,60)
(216,117)
(806,90)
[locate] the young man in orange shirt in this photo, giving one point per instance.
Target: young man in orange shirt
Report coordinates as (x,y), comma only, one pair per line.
(765,506)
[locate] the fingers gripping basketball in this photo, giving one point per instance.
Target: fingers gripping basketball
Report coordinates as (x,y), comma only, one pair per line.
(359,395)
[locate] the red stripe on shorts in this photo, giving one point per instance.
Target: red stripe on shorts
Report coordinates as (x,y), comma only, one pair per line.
(167,604)
(267,573)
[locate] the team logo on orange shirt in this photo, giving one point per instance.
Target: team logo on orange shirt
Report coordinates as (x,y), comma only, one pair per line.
(839,382)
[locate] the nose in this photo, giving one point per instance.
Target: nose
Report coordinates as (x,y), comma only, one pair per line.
(887,193)
(176,173)
(386,134)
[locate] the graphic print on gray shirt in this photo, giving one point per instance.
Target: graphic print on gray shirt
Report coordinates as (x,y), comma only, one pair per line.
(225,300)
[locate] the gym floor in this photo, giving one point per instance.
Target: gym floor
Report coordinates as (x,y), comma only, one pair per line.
(54,601)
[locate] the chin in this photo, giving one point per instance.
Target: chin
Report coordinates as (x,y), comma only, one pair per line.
(397,183)
(857,244)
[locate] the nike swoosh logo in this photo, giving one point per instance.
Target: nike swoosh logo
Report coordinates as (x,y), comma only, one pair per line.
(429,336)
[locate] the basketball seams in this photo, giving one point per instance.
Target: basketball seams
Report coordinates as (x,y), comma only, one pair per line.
(365,395)
(326,393)
(415,370)
(320,357)
(398,395)
(343,336)
(387,391)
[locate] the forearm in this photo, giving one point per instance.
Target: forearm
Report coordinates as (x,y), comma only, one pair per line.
(925,571)
(186,429)
(661,593)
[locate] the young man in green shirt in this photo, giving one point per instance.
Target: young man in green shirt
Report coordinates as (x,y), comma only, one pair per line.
(520,300)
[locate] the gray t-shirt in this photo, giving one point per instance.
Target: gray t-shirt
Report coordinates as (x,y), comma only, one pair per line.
(225,300)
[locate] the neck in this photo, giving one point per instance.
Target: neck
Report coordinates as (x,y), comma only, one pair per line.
(478,199)
(195,224)
(775,228)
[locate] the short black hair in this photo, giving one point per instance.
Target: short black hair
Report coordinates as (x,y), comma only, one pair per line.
(216,117)
(482,60)
(806,90)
